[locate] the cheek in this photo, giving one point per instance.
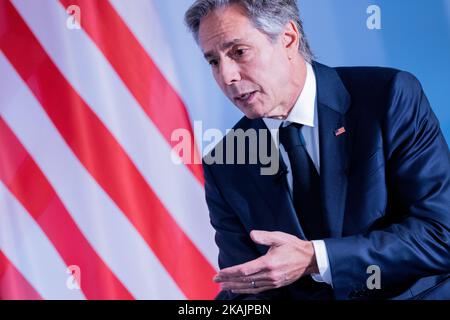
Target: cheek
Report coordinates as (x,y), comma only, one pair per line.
(270,85)
(271,76)
(277,80)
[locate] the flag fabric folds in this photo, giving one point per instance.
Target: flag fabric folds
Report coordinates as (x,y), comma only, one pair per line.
(92,206)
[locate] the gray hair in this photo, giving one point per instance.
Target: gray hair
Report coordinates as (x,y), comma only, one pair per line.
(268,16)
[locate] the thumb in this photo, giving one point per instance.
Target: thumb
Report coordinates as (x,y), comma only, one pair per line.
(267,238)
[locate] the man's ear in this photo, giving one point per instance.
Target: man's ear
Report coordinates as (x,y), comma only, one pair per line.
(291,38)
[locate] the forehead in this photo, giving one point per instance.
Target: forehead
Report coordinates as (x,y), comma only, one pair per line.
(225,25)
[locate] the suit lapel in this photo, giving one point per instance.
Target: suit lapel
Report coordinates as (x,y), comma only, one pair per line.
(333,164)
(333,103)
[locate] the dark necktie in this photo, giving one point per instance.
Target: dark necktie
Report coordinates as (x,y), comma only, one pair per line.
(306,181)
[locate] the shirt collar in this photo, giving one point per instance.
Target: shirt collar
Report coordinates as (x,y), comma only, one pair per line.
(303,112)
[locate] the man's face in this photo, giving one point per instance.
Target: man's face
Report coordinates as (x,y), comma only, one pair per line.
(252,71)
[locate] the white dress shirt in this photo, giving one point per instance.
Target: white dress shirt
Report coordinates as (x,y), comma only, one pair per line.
(305,113)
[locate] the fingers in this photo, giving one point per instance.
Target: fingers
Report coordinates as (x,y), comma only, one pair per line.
(272,277)
(261,264)
(268,276)
(265,279)
(267,238)
(267,272)
(252,291)
(246,285)
(242,270)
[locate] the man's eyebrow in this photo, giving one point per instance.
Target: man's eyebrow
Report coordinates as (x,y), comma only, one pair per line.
(224,46)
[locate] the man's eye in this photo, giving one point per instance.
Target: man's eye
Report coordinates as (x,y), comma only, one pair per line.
(213,63)
(240,52)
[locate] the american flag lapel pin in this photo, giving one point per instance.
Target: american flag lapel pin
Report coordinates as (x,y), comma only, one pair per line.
(339,131)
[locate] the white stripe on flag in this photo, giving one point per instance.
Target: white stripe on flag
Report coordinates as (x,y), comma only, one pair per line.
(144,22)
(30,251)
(99,85)
(104,225)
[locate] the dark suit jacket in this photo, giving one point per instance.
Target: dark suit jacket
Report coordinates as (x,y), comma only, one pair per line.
(385,188)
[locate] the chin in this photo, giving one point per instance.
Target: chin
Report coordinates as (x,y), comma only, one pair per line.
(253,116)
(253,113)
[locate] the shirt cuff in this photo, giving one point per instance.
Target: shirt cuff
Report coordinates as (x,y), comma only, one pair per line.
(323,263)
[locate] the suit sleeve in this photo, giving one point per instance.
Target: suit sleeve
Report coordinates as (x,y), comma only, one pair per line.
(417,244)
(233,240)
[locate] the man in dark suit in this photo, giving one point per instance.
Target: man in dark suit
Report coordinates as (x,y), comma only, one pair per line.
(360,205)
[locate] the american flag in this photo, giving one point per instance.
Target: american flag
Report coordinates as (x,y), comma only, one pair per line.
(340,131)
(88,192)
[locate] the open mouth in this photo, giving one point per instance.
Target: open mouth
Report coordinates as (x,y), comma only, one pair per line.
(246,97)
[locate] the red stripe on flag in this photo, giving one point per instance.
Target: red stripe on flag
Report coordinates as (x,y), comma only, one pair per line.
(104,158)
(13,285)
(27,183)
(138,71)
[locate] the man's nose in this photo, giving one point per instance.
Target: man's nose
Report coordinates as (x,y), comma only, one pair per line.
(230,73)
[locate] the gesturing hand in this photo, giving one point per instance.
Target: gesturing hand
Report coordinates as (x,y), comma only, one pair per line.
(288,259)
